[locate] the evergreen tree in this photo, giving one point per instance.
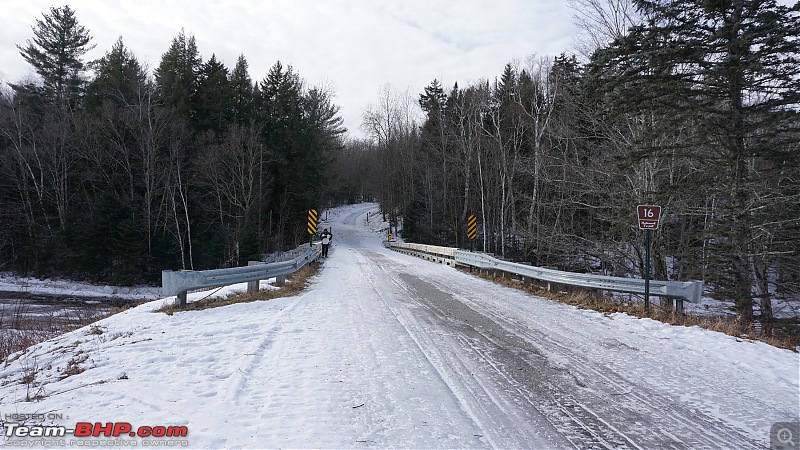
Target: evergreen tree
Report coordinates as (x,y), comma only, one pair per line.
(176,75)
(214,99)
(121,146)
(433,100)
(323,136)
(242,93)
(508,82)
(301,128)
(55,52)
(119,78)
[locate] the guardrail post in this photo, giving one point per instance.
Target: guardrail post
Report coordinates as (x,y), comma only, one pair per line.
(280,280)
(253,286)
(181,297)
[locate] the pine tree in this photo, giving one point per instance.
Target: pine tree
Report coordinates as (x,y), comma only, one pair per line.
(433,100)
(242,93)
(301,129)
(214,102)
(119,78)
(176,75)
(55,52)
(279,109)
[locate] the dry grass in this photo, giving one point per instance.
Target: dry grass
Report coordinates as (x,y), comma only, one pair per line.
(783,337)
(74,365)
(293,286)
(25,331)
(94,330)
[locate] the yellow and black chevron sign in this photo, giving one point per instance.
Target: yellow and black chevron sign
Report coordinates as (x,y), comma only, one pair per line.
(472,226)
(313,220)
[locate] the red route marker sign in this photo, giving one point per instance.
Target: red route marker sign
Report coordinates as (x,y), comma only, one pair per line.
(649,215)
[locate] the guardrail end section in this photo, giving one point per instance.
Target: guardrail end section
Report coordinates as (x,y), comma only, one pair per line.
(696,292)
(169,283)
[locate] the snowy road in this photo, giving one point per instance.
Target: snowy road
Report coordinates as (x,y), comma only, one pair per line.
(386,350)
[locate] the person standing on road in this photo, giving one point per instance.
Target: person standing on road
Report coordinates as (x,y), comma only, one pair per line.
(326,242)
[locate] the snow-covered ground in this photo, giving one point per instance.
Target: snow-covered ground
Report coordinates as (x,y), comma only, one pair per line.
(13,283)
(387,350)
(39,308)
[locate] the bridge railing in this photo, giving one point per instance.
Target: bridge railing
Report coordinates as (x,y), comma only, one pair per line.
(178,283)
(691,291)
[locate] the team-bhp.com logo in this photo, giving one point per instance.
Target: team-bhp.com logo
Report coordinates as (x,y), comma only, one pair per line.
(86,429)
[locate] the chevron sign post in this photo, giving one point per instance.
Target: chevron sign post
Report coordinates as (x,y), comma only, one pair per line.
(472,226)
(313,220)
(472,229)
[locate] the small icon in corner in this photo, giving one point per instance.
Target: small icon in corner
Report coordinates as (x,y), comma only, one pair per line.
(784,436)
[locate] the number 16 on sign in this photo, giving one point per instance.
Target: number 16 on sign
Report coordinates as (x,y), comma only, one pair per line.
(649,217)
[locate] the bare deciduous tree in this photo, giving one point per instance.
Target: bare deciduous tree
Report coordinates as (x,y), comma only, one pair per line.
(602,21)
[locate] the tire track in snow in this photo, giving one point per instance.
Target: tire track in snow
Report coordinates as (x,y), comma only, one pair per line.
(502,358)
(583,393)
(649,417)
(299,372)
(254,354)
(416,404)
(522,368)
(502,423)
(401,403)
(405,322)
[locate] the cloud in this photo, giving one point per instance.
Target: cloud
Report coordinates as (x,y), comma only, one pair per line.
(355,45)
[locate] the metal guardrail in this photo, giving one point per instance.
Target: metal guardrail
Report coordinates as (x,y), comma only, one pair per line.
(691,291)
(435,253)
(447,252)
(180,282)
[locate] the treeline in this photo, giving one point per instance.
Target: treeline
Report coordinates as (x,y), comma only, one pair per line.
(111,172)
(694,108)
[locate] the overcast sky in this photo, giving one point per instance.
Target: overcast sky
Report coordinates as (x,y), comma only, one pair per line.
(355,46)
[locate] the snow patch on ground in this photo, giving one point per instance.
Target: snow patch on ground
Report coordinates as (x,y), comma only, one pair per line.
(12,283)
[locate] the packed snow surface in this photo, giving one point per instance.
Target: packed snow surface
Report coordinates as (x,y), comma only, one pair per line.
(388,350)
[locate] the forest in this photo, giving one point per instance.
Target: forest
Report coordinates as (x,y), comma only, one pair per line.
(110,172)
(690,105)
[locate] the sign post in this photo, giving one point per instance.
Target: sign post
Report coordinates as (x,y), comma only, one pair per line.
(313,219)
(649,216)
(472,229)
(647,234)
